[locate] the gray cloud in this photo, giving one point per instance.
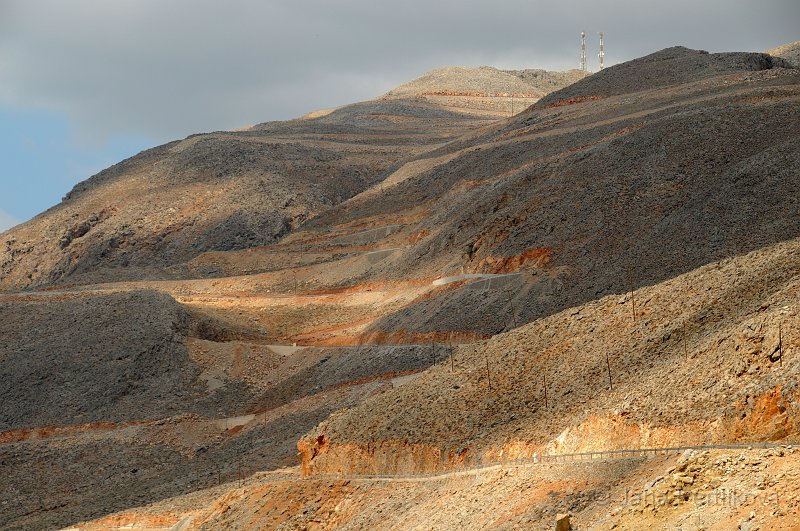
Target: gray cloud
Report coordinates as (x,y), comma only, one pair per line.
(164,69)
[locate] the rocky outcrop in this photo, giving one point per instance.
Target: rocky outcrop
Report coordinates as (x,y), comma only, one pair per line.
(318,456)
(789,52)
(532,258)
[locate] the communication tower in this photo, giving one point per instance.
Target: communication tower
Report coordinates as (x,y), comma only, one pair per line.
(601,55)
(583,51)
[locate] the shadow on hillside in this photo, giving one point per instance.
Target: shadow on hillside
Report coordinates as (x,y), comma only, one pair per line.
(70,483)
(537,294)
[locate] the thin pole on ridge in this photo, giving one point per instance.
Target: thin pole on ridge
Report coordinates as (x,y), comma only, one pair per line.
(544,377)
(450,348)
(602,54)
(685,350)
(488,374)
(583,51)
(511,304)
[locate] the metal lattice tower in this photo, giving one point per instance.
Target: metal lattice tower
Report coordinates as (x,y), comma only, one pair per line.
(583,51)
(601,55)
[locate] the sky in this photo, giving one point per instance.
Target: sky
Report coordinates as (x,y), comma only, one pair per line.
(87,83)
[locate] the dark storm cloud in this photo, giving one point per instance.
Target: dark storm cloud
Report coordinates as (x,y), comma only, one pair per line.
(168,68)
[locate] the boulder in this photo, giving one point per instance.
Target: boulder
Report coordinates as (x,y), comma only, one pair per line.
(562,522)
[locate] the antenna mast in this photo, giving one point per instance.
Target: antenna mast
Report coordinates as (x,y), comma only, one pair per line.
(583,51)
(602,52)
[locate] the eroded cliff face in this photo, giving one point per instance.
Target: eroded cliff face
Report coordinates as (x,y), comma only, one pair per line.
(318,456)
(767,417)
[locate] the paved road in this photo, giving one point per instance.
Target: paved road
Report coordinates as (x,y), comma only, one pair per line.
(583,457)
(546,459)
(471,276)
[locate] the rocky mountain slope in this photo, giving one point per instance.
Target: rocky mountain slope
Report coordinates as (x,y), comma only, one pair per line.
(789,51)
(485,80)
(138,362)
(668,67)
(218,191)
(241,189)
(143,369)
(412,284)
(593,194)
(485,88)
(704,358)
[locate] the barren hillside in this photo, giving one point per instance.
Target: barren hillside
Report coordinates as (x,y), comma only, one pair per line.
(416,284)
(591,195)
(484,89)
(236,189)
(216,192)
(789,51)
(693,360)
(125,358)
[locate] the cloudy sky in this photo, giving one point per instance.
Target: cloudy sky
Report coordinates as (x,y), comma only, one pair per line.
(85,83)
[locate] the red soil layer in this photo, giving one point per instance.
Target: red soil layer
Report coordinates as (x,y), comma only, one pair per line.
(308,337)
(24,434)
(482,94)
(233,431)
(133,520)
(372,286)
(764,417)
(405,337)
(384,376)
(572,101)
(416,236)
(536,257)
(400,337)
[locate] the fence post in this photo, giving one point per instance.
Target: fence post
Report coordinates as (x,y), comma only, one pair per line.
(685,350)
(544,376)
(511,304)
(632,286)
(450,349)
(488,374)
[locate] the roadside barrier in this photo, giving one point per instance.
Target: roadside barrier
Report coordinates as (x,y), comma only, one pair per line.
(538,459)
